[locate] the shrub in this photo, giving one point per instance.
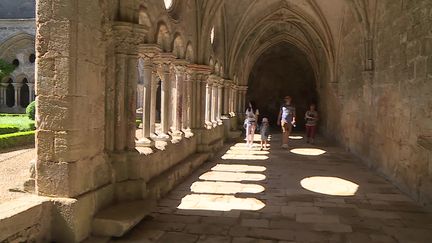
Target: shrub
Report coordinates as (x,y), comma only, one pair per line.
(6,128)
(16,139)
(31,110)
(5,68)
(137,122)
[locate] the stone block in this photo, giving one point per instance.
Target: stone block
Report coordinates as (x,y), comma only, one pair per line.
(18,215)
(72,179)
(116,220)
(130,190)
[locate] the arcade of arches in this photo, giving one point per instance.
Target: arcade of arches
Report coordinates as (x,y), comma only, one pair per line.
(186,69)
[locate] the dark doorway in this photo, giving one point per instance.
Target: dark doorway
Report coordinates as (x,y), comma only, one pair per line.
(10,94)
(24,94)
(280,71)
(158,101)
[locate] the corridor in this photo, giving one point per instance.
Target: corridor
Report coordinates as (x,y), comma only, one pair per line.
(310,193)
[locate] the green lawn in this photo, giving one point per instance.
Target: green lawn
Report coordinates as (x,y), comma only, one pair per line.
(22,121)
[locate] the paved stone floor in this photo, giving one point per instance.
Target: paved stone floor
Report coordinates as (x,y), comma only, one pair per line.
(14,171)
(311,194)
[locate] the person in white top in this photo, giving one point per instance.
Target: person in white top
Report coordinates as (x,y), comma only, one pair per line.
(250,122)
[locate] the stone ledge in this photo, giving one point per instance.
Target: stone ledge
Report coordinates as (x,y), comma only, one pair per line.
(23,213)
(120,218)
(425,142)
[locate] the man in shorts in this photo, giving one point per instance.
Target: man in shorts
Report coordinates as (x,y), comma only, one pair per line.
(286,119)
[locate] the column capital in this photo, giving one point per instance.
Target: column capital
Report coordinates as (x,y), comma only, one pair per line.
(127,36)
(242,87)
(164,58)
(180,65)
(17,85)
(149,51)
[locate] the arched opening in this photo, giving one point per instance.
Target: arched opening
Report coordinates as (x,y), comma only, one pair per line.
(280,71)
(10,94)
(24,94)
(159,101)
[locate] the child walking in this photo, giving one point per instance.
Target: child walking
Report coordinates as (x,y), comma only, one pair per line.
(264,130)
(311,117)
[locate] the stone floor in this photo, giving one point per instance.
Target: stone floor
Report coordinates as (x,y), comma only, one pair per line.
(14,171)
(305,194)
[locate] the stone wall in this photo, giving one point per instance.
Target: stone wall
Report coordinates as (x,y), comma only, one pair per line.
(9,27)
(380,115)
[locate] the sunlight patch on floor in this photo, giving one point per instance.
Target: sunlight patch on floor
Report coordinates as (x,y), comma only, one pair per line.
(308,151)
(217,187)
(244,157)
(219,203)
(231,176)
(296,137)
(238,168)
(334,186)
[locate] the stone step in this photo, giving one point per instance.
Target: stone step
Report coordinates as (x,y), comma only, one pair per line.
(95,239)
(118,219)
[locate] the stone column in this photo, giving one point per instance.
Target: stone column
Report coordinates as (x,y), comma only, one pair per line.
(214,103)
(178,96)
(31,92)
(199,75)
(147,53)
(2,94)
(226,98)
(154,88)
(164,61)
(219,103)
(188,94)
(17,89)
(208,103)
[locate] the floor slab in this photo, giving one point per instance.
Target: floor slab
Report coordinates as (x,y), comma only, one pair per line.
(308,193)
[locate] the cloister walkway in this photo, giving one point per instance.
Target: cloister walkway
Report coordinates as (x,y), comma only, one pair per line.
(314,193)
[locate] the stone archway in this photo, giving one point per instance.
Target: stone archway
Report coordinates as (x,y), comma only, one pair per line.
(282,70)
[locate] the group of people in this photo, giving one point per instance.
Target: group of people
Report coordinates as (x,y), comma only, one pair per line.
(286,119)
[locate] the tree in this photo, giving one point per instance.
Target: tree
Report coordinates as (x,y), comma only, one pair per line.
(5,68)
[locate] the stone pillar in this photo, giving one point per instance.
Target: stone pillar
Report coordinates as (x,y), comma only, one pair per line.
(164,61)
(17,89)
(147,53)
(208,103)
(199,75)
(226,98)
(154,88)
(219,103)
(178,96)
(214,103)
(188,94)
(31,92)
(2,94)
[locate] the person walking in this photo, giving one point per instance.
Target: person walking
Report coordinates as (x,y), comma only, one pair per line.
(286,119)
(251,118)
(264,131)
(311,117)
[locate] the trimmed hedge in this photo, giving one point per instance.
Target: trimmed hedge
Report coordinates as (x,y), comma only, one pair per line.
(16,139)
(5,129)
(12,115)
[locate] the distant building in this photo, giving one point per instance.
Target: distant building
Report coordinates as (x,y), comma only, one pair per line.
(17,46)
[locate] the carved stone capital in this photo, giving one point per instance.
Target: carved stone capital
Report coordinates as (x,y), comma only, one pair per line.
(127,37)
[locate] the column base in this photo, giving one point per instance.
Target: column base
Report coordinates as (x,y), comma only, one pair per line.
(219,122)
(144,142)
(162,137)
(176,136)
(208,125)
(188,133)
(214,123)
